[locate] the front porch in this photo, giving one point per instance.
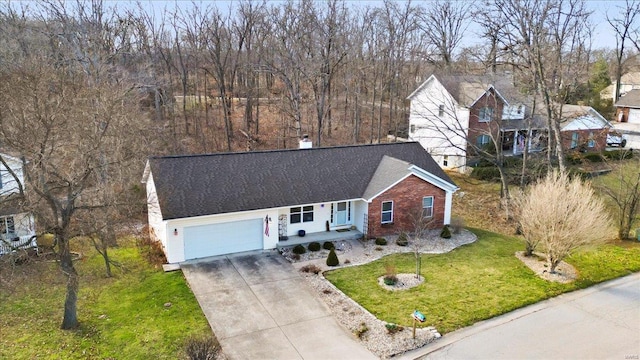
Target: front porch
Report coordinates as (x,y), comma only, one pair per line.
(321,237)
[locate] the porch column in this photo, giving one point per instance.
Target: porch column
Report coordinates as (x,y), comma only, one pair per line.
(447,207)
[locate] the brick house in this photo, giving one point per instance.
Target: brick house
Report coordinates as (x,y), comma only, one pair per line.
(215,204)
(583,129)
(454,115)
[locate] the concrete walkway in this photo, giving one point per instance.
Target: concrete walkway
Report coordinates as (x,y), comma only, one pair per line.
(259,307)
(601,322)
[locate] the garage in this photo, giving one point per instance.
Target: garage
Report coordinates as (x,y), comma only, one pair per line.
(634,116)
(224,238)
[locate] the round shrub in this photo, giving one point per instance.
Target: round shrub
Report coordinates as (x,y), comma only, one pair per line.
(402,239)
(390,280)
(314,246)
(332,259)
(299,249)
(381,241)
(445,233)
(328,245)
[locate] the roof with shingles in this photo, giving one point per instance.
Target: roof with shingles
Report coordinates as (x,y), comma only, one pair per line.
(198,185)
(630,99)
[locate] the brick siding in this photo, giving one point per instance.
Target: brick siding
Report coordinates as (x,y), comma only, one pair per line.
(407,197)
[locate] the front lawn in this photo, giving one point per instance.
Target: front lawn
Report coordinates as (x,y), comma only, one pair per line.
(123,317)
(474,282)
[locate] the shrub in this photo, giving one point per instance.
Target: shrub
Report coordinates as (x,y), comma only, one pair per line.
(332,259)
(393,328)
(328,245)
(390,277)
(381,241)
(402,239)
(445,233)
(299,249)
(311,268)
(46,240)
(618,154)
(457,224)
(574,158)
(361,330)
(593,157)
(488,173)
(295,257)
(205,348)
(347,261)
(314,246)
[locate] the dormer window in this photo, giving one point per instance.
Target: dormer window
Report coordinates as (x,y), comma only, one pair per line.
(485,115)
(520,109)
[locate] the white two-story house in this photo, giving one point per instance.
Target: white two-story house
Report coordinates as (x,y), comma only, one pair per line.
(17,227)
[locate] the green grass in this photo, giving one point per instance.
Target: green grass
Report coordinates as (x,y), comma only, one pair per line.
(122,317)
(474,282)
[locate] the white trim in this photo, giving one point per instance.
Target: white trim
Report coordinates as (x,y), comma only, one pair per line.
(486,91)
(433,199)
(388,187)
(382,211)
(448,201)
(428,177)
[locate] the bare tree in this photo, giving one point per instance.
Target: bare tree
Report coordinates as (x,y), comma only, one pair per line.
(420,224)
(562,215)
(626,196)
(444,22)
(624,26)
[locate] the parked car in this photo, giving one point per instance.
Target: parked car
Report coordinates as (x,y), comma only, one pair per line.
(615,138)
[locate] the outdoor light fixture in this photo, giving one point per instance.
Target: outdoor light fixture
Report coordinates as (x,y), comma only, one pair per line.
(175,232)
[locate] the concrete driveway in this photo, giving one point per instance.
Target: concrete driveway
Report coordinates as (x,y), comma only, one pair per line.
(260,307)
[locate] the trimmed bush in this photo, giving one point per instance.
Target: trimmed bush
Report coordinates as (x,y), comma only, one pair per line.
(328,245)
(574,158)
(299,249)
(621,154)
(381,241)
(402,239)
(332,259)
(390,280)
(445,233)
(393,328)
(314,246)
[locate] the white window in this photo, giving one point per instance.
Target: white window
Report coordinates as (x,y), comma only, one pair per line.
(483,140)
(574,140)
(445,160)
(486,113)
(7,226)
(427,206)
(441,110)
(412,129)
(301,214)
(387,212)
(592,141)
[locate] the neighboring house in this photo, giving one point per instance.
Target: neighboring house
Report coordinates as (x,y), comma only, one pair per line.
(583,129)
(628,107)
(17,228)
(450,115)
(214,204)
(628,82)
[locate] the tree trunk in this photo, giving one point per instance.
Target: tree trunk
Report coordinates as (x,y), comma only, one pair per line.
(70,319)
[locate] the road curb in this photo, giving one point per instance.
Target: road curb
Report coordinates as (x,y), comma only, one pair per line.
(476,328)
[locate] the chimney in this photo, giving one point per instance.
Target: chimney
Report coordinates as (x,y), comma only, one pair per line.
(305,142)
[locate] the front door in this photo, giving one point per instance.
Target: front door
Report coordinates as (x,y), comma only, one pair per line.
(341,214)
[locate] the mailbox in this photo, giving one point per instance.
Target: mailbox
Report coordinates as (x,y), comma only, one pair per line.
(418,316)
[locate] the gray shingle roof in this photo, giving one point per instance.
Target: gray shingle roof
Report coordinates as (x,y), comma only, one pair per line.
(196,185)
(630,99)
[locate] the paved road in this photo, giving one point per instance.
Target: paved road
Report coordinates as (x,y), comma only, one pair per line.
(259,307)
(602,322)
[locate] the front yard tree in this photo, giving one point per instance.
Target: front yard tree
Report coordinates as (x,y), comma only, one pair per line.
(563,214)
(626,196)
(420,224)
(72,116)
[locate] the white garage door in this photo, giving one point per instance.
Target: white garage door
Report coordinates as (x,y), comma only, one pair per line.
(224,238)
(634,116)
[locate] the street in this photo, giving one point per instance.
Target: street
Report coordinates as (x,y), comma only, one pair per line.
(601,322)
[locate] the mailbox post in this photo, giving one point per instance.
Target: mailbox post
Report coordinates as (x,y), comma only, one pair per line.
(417,317)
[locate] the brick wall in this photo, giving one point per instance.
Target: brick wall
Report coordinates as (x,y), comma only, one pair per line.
(477,127)
(599,135)
(406,196)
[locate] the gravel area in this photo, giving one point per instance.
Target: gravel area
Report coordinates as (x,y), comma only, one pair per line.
(377,338)
(564,274)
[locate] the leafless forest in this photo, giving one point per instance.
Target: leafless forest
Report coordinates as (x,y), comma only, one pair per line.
(209,78)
